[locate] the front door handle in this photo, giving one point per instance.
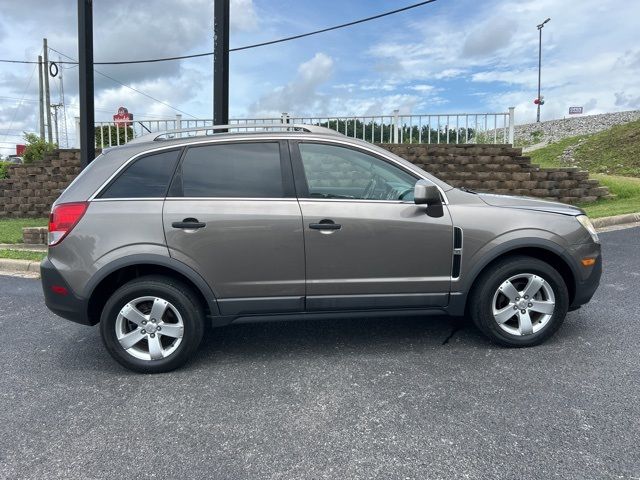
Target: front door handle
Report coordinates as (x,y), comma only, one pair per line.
(189,223)
(325,224)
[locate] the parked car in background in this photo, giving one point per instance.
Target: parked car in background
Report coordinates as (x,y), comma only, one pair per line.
(156,240)
(14,159)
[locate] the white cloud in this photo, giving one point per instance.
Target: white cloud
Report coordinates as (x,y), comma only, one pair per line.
(583,59)
(422,88)
(243,16)
(488,38)
(301,95)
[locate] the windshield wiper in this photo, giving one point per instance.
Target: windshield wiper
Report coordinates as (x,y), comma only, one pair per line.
(468,190)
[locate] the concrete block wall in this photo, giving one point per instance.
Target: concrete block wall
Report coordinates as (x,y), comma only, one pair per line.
(30,189)
(35,235)
(500,169)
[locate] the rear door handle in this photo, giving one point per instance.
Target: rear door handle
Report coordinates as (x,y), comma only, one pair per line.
(189,223)
(325,224)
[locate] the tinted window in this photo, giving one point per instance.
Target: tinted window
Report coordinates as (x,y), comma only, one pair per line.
(148,176)
(233,170)
(338,172)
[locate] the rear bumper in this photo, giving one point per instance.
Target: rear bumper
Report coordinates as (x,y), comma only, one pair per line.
(66,305)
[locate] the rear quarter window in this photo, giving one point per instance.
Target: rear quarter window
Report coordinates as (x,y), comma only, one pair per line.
(146,177)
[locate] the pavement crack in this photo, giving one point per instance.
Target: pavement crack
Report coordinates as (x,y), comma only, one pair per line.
(450,336)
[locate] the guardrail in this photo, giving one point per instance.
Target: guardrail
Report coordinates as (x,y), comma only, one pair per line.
(429,128)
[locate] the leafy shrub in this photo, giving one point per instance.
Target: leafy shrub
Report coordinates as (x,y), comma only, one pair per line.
(4,169)
(36,148)
(104,133)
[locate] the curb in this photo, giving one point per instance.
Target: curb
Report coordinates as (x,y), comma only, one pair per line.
(616,220)
(11,265)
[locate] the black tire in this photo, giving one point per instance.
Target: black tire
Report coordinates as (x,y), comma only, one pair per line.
(180,296)
(480,306)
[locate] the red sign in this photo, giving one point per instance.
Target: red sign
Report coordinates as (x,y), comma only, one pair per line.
(123,117)
(20,150)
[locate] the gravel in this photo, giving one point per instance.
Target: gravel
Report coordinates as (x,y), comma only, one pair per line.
(554,130)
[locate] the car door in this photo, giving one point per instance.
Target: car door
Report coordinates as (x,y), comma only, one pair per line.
(231,214)
(367,244)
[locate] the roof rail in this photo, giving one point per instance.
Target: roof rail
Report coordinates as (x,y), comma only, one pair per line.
(235,128)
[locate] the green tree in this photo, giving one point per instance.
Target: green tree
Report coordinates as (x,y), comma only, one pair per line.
(111,135)
(36,148)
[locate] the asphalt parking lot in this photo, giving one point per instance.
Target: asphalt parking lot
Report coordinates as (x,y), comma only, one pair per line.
(388,398)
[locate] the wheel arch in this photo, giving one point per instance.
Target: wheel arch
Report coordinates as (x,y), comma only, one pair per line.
(110,277)
(542,249)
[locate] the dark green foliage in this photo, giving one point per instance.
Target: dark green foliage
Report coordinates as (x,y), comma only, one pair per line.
(376,132)
(4,169)
(112,135)
(36,148)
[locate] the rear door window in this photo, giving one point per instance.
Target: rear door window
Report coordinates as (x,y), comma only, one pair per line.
(236,170)
(146,177)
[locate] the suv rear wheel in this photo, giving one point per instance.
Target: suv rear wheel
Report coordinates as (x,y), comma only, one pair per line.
(152,324)
(520,301)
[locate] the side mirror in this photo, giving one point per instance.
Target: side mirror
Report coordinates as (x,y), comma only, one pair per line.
(425,193)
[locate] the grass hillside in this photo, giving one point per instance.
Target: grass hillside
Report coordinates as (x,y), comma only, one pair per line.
(611,156)
(615,151)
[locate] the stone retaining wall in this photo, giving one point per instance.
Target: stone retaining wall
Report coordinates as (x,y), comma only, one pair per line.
(35,235)
(500,169)
(31,189)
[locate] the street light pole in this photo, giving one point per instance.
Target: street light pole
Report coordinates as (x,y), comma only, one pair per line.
(540,65)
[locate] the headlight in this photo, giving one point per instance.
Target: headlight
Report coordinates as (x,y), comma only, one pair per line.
(586,223)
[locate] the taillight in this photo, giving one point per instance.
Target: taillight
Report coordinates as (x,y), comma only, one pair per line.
(63,218)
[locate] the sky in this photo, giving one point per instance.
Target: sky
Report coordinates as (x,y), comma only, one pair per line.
(451,56)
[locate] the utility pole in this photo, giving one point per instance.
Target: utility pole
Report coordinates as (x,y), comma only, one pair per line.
(41,91)
(85,60)
(221,62)
(47,95)
(65,129)
(55,107)
(539,101)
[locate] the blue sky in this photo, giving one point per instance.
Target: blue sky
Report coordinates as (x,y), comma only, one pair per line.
(447,57)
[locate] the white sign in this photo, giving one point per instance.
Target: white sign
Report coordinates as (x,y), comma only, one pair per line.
(575,110)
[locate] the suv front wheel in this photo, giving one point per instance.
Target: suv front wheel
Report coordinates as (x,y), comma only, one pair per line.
(152,324)
(519,301)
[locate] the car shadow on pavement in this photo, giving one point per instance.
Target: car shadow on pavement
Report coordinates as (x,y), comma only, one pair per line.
(272,340)
(267,341)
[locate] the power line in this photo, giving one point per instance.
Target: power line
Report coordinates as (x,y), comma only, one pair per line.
(247,47)
(128,86)
(24,93)
(349,24)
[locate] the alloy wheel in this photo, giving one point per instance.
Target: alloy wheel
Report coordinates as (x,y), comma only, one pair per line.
(523,304)
(149,328)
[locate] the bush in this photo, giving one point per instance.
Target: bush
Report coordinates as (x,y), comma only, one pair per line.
(104,133)
(36,148)
(4,169)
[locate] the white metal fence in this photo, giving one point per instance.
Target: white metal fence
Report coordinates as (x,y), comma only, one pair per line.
(433,128)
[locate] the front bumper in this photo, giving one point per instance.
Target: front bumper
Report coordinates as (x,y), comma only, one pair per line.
(66,305)
(588,279)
